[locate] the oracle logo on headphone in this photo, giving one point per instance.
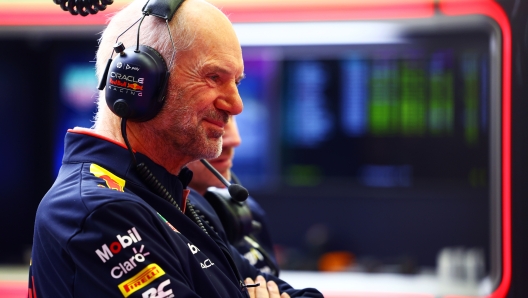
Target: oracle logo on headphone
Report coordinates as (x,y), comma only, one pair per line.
(136,80)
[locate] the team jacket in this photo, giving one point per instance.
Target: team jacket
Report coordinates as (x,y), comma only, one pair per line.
(102,231)
(256,247)
(264,257)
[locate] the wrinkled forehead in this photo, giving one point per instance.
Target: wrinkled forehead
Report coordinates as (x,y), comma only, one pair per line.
(217,54)
(215,44)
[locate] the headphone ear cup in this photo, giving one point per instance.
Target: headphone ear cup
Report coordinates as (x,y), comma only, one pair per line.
(136,83)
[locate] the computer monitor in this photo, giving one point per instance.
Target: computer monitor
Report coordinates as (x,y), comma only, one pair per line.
(385,137)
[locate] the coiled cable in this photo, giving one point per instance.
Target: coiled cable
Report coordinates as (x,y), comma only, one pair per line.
(153,183)
(83,7)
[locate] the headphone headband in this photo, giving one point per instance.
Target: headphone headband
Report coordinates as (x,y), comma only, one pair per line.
(162,8)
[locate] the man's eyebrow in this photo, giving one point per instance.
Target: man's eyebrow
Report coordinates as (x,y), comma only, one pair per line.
(222,70)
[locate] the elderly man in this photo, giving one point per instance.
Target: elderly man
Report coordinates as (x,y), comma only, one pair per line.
(116,222)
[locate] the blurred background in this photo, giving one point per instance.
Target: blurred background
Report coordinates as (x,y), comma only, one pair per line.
(374,134)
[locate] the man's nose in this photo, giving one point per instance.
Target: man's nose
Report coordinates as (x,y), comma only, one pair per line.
(230,100)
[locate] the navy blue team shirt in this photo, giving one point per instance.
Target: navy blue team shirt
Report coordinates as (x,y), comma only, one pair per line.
(101,231)
(257,246)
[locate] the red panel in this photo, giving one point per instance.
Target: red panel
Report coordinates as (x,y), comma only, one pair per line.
(53,15)
(493,10)
(57,17)
(330,13)
(13,289)
(375,295)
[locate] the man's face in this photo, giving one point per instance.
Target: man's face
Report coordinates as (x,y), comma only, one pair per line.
(203,92)
(202,177)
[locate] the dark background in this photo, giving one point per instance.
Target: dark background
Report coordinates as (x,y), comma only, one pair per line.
(30,109)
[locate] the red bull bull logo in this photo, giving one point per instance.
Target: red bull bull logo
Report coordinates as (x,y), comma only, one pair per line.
(132,86)
(112,181)
(135,86)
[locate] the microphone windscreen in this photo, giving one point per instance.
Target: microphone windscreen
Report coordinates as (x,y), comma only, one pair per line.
(238,192)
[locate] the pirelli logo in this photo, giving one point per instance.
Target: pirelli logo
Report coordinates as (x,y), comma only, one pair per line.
(140,280)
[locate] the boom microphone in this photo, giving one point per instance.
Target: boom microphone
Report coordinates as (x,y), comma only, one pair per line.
(237,191)
(83,7)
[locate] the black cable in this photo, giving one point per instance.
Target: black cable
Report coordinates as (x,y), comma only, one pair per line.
(194,215)
(83,7)
(124,134)
(237,191)
(139,27)
(156,186)
(204,219)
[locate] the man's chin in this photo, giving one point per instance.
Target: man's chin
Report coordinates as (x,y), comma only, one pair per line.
(212,149)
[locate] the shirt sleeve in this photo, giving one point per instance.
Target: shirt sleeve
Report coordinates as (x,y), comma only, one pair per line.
(248,270)
(124,250)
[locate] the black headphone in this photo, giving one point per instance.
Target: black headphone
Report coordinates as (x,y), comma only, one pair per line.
(137,78)
(235,216)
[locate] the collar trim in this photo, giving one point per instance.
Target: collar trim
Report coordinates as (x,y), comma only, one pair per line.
(96,135)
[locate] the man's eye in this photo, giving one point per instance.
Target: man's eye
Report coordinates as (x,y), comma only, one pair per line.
(214,77)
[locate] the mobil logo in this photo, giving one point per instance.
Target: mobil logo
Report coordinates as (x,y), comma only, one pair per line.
(108,251)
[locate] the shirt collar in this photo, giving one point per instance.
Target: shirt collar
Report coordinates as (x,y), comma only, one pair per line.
(87,146)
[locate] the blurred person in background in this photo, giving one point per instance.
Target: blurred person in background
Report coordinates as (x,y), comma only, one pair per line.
(255,242)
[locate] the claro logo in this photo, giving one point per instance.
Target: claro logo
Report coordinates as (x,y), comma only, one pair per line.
(128,265)
(108,251)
